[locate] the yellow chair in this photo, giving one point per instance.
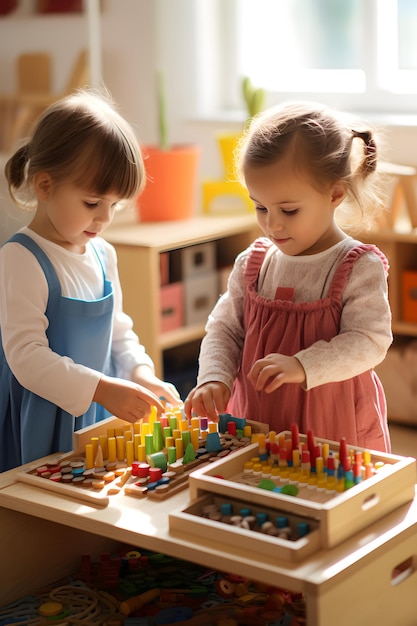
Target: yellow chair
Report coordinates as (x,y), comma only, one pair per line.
(229,195)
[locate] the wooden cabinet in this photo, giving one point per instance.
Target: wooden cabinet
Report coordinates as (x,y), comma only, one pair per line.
(139,246)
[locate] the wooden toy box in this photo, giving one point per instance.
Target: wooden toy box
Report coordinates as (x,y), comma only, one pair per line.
(332,522)
(189,520)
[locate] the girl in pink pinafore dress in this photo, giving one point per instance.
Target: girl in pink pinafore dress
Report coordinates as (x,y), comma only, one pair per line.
(305,318)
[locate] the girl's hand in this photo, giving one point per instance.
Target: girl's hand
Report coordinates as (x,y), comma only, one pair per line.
(143,375)
(269,373)
(208,400)
(126,399)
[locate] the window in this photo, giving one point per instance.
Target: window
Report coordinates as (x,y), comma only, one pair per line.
(359,55)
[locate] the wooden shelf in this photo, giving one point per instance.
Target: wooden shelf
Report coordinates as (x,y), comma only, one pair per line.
(139,246)
(400,247)
(165,236)
(180,336)
(404,328)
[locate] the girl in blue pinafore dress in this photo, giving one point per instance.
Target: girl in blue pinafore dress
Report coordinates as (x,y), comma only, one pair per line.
(79,329)
(68,355)
(305,318)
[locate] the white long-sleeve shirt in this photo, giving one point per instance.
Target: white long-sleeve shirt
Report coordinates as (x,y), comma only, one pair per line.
(365,332)
(23,301)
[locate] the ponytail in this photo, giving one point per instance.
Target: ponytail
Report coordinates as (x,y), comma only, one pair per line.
(15,171)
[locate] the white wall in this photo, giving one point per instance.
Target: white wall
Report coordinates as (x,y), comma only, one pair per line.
(142,37)
(24,31)
(138,38)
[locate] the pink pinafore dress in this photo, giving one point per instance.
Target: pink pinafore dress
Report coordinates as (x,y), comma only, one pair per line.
(353,408)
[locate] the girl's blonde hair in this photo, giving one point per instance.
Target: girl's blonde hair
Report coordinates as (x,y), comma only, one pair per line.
(319,143)
(83,140)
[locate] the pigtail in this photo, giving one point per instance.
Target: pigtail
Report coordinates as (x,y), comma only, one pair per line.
(368,164)
(366,198)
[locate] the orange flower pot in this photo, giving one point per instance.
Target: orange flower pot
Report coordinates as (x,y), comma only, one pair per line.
(172,177)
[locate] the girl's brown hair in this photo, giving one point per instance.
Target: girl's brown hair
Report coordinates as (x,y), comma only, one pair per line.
(80,139)
(319,143)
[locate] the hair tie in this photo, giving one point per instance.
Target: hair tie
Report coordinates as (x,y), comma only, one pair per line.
(366,136)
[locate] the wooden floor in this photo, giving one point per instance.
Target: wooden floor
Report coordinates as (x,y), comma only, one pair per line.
(403,439)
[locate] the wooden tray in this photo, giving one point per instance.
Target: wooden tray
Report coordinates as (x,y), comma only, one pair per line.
(190,521)
(338,518)
(126,484)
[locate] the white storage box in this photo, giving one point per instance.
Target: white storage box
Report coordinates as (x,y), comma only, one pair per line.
(201,293)
(198,259)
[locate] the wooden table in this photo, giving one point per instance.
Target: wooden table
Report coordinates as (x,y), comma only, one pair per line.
(44,534)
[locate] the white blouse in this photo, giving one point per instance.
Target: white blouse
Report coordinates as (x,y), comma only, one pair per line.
(23,301)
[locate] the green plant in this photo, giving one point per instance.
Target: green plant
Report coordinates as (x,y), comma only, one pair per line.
(254,98)
(162,116)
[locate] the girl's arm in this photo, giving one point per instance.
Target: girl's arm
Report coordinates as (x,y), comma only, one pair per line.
(365,333)
(221,348)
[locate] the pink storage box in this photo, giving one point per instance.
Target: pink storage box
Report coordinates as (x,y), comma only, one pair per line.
(172,307)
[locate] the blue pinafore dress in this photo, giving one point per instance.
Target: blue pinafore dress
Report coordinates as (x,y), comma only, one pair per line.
(30,426)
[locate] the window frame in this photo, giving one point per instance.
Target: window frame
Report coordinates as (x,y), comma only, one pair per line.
(376,102)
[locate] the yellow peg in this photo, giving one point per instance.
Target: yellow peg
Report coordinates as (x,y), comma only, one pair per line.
(89,458)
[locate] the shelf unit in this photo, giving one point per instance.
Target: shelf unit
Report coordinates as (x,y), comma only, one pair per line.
(139,246)
(399,244)
(400,249)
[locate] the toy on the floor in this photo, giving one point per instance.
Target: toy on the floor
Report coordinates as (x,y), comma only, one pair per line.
(151,459)
(143,588)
